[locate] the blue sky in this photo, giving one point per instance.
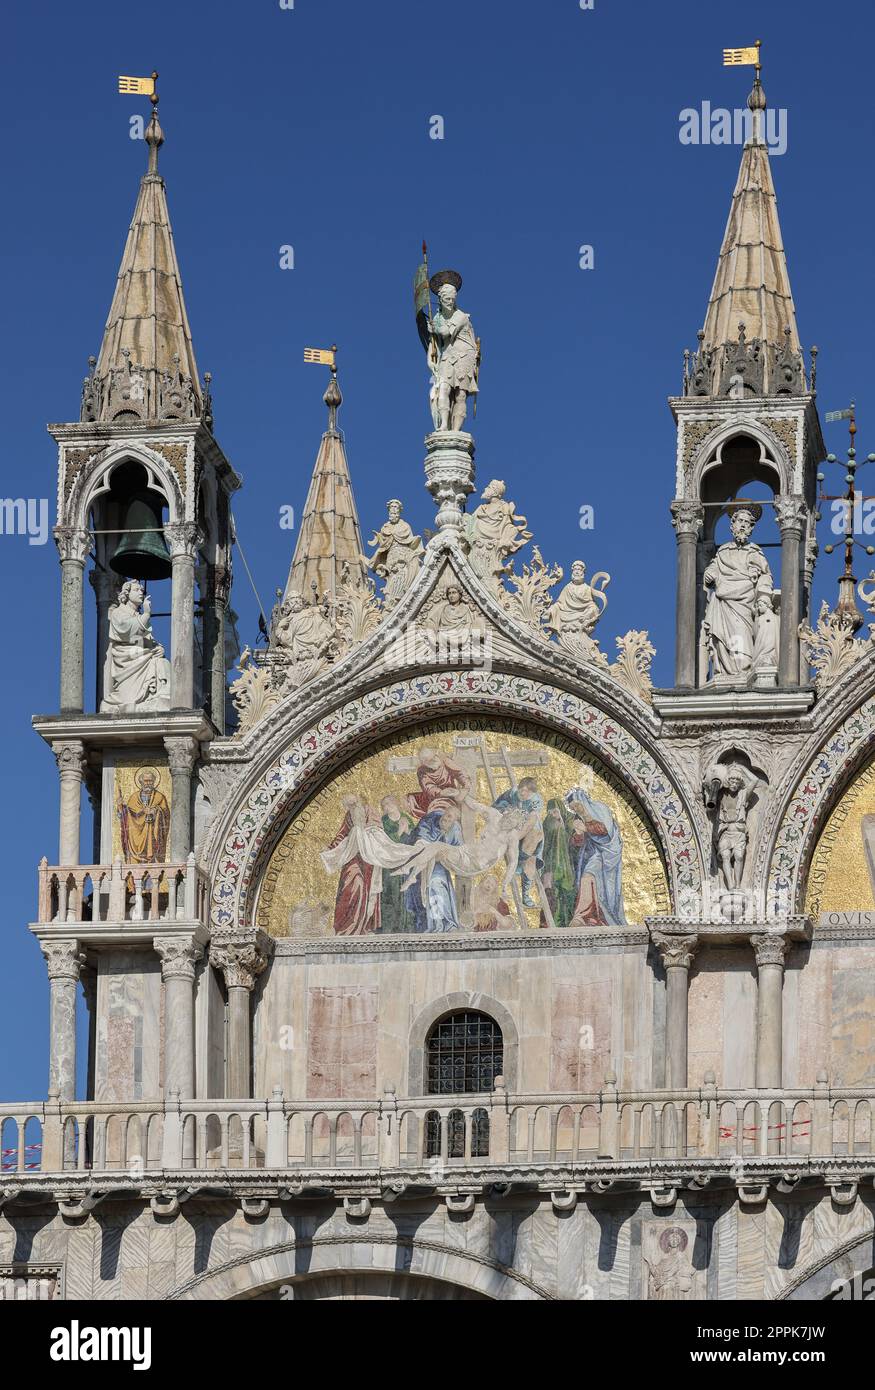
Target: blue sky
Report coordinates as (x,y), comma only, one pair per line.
(310,127)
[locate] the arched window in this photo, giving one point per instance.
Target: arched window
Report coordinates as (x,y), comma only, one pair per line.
(464,1052)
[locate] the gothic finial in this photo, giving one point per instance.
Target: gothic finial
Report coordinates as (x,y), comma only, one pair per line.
(333,396)
(154,136)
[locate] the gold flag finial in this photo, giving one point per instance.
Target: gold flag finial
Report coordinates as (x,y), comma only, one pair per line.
(743,57)
(327,356)
(140,87)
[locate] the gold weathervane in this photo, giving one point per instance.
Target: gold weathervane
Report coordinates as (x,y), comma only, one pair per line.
(327,356)
(139,86)
(743,57)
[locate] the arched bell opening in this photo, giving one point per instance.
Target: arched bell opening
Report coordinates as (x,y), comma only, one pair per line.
(131,555)
(751,589)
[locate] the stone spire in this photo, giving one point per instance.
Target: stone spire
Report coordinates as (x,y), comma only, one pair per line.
(749,345)
(146,368)
(330,538)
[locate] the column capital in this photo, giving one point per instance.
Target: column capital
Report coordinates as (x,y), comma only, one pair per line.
(105,583)
(182,750)
(178,956)
(241,962)
(790,513)
(183,539)
(675,948)
(769,948)
(70,756)
(74,543)
(64,960)
(687,517)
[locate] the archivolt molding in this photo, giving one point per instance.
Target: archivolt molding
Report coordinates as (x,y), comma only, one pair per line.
(242,838)
(330,1254)
(89,483)
(810,790)
(697,462)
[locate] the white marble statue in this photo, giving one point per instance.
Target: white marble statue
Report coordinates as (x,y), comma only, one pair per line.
(302,630)
(136,675)
(739,586)
(494,531)
(729,792)
(396,555)
(578,608)
(453,354)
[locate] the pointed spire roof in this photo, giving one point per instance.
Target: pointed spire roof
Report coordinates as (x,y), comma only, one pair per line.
(750,334)
(329,538)
(752,285)
(146,366)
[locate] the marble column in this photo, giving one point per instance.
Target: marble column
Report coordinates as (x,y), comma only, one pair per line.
(64,962)
(215,678)
(769,949)
(790,513)
(178,955)
(676,952)
(70,757)
(687,521)
(89,990)
(240,963)
(181,754)
(183,538)
(74,546)
(106,586)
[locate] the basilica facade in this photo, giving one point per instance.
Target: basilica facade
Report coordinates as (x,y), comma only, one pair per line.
(432,952)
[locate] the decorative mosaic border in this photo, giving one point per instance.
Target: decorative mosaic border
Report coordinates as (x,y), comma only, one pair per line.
(808,808)
(440,693)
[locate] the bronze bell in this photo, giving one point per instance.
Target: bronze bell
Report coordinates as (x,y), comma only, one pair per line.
(142,552)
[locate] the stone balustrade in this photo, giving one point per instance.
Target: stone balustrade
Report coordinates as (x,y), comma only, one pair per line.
(718,1126)
(120,892)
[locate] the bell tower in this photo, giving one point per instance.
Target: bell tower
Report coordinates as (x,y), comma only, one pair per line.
(747,415)
(143,506)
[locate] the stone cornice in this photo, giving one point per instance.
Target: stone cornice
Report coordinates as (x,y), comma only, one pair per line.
(105,730)
(461,944)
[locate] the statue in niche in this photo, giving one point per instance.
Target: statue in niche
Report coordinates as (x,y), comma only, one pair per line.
(729,793)
(396,556)
(453,354)
(670,1274)
(494,532)
(577,610)
(136,675)
(739,586)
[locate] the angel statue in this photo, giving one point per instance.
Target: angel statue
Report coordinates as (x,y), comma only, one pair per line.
(452,349)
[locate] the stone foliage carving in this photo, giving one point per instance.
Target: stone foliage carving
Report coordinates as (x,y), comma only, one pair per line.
(137,673)
(831,648)
(178,956)
(632,666)
(529,600)
(241,962)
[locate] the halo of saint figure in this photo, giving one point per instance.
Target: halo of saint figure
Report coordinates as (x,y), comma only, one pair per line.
(442,857)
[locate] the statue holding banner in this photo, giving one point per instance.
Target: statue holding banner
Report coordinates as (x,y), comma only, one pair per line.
(452,349)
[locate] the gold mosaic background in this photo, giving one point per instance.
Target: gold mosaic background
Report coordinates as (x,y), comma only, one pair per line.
(296,883)
(840,879)
(125,787)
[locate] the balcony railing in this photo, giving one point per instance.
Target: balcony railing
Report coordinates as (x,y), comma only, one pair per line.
(439,1132)
(119,892)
